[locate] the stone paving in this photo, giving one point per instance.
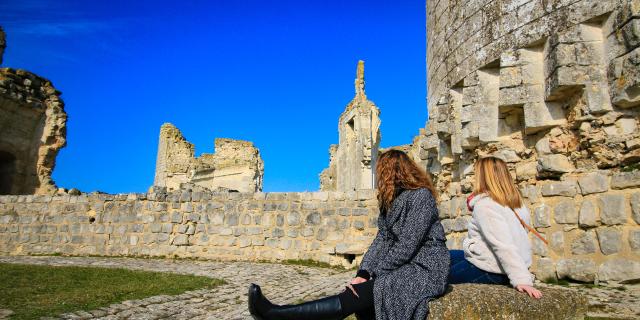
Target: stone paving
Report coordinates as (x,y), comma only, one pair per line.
(281,283)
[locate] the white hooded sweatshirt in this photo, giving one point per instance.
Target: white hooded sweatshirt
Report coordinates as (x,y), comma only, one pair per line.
(497,242)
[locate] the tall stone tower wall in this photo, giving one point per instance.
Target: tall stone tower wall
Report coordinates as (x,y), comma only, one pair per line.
(236,164)
(353,159)
(32,130)
(553,88)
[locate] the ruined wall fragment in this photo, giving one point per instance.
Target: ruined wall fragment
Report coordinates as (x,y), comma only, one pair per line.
(552,88)
(32,131)
(236,165)
(352,161)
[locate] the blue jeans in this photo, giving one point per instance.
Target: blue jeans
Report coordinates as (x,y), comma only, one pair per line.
(463,271)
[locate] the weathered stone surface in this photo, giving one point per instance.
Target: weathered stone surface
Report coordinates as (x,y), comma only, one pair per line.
(565,212)
(623,180)
(593,183)
(476,301)
(610,240)
(564,188)
(619,270)
(554,164)
(235,166)
(542,216)
(588,215)
(577,269)
(545,269)
(584,244)
(634,239)
(613,209)
(32,131)
(352,162)
(635,206)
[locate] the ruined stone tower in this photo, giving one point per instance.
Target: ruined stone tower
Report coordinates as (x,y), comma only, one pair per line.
(32,130)
(553,88)
(236,165)
(352,161)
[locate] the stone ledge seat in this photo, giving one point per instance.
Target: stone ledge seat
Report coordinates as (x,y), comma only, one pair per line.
(481,301)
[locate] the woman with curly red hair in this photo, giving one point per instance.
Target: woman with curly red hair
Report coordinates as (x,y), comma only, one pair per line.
(406,265)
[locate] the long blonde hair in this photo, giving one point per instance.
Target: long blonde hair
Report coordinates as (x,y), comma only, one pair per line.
(396,171)
(494,179)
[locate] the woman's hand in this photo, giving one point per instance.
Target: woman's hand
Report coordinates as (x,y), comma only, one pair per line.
(358,280)
(355,280)
(531,291)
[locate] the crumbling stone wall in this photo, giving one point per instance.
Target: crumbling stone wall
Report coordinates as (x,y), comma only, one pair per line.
(32,130)
(236,165)
(352,161)
(332,227)
(552,88)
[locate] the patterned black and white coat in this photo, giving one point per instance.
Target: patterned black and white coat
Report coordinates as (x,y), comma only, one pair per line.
(408,259)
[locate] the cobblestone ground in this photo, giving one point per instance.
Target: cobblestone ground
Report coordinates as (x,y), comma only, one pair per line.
(281,283)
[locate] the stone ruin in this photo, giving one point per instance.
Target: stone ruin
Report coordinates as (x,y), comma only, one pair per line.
(550,86)
(553,88)
(236,165)
(32,130)
(352,161)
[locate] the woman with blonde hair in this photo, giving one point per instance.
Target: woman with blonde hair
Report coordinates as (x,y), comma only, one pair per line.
(496,249)
(406,265)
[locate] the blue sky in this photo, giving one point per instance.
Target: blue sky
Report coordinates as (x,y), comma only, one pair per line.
(277,73)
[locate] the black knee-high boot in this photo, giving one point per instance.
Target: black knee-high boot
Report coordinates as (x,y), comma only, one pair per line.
(328,308)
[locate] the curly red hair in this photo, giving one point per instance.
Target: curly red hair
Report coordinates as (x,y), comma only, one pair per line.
(395,172)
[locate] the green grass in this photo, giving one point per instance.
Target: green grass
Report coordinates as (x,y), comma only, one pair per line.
(33,291)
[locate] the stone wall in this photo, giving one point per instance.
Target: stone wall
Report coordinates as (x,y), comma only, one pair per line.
(236,165)
(352,161)
(332,227)
(552,88)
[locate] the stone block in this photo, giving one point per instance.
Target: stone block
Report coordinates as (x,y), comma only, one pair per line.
(481,301)
(313,218)
(180,240)
(619,269)
(584,244)
(593,183)
(538,247)
(293,218)
(563,188)
(623,180)
(554,164)
(613,209)
(557,241)
(541,216)
(588,215)
(635,206)
(526,170)
(634,240)
(565,212)
(577,269)
(545,269)
(610,240)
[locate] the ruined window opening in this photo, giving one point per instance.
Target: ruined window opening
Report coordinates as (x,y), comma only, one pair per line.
(92,220)
(7,171)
